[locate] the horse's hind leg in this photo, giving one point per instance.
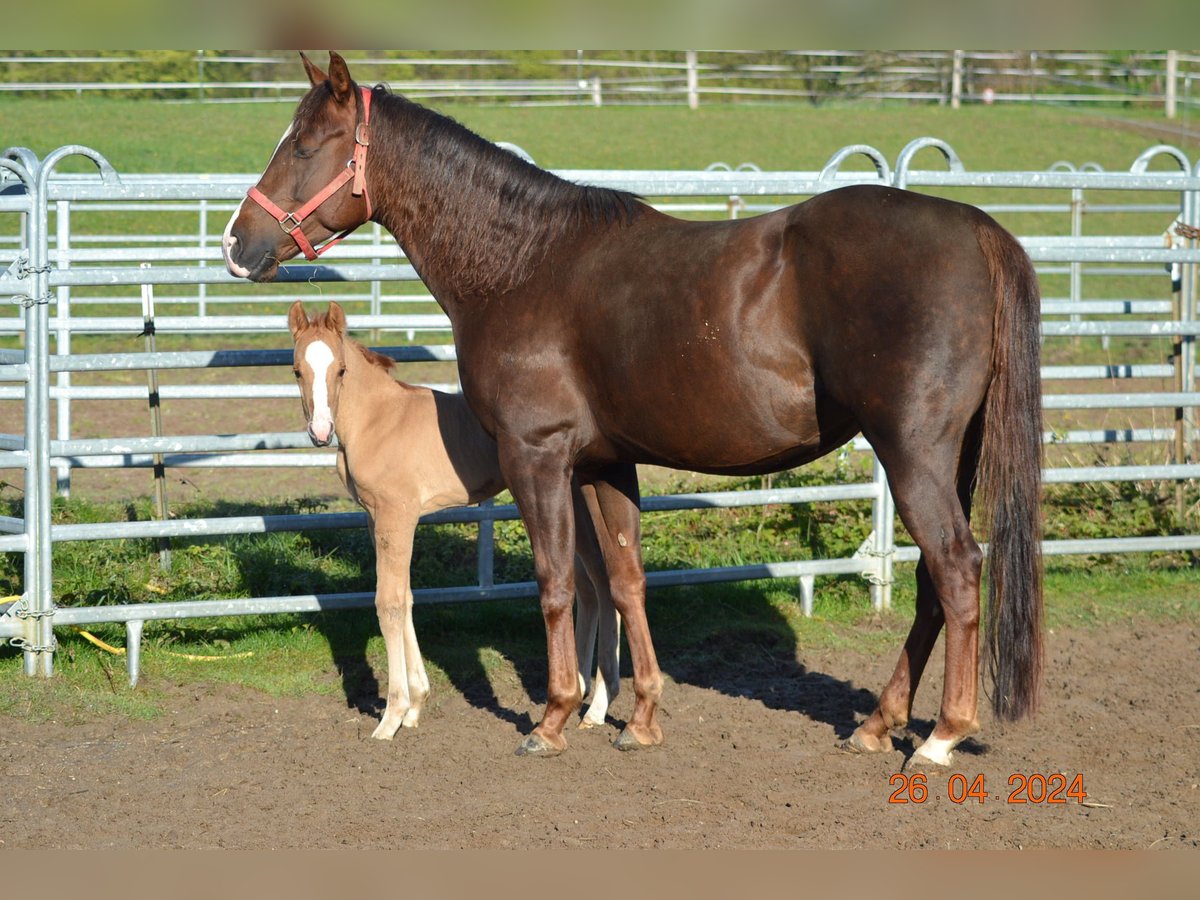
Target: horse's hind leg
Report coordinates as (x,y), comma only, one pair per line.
(895,702)
(936,513)
(612,501)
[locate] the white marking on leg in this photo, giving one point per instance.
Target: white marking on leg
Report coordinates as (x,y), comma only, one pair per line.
(418,679)
(319,357)
(391,623)
(937,750)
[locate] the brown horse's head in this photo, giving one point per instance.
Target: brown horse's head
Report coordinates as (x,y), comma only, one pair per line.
(319,364)
(326,143)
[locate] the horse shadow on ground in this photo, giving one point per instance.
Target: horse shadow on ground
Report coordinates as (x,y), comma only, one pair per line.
(730,638)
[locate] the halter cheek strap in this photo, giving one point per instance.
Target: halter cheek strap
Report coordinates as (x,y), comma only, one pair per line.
(356,171)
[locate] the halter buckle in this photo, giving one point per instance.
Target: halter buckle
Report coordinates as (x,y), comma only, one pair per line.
(284,223)
(362,135)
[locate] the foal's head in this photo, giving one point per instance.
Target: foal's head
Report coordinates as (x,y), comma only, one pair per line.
(319,364)
(314,152)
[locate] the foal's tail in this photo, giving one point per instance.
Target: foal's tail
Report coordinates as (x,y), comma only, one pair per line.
(1009,479)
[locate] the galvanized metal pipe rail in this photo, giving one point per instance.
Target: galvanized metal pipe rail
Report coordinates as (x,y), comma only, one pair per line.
(33,276)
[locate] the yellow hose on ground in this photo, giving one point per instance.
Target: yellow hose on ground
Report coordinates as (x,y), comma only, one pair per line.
(191,657)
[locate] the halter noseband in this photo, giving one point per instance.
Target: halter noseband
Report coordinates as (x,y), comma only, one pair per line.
(356,169)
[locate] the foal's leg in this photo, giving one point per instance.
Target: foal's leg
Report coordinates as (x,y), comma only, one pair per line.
(608,664)
(408,685)
(613,503)
(587,608)
(595,617)
(948,575)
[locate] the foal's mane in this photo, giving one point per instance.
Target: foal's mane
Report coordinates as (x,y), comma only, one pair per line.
(483,217)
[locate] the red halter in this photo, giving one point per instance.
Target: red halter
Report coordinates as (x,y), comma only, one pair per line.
(355,169)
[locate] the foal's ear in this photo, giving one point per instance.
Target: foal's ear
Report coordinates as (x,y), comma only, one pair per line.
(337,317)
(297,319)
(339,78)
(315,75)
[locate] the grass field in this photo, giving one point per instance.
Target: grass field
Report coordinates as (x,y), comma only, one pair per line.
(147,136)
(296,653)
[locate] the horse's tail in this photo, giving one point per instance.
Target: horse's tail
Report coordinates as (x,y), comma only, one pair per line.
(1009,478)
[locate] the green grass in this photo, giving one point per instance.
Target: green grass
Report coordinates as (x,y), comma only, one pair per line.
(480,647)
(148,136)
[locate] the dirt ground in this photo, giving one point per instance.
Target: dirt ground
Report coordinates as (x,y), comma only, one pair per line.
(748,762)
(750,758)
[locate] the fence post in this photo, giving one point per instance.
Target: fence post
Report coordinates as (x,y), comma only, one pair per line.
(156,425)
(38,606)
(956,74)
(693,81)
(62,344)
(1076,268)
(202,291)
(486,548)
(883,549)
(1190,304)
(1172,75)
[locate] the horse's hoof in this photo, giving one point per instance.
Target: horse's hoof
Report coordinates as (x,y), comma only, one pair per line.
(936,758)
(627,740)
(536,745)
(856,743)
(585,724)
(385,730)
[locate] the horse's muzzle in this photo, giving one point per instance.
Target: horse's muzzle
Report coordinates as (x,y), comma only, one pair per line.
(320,439)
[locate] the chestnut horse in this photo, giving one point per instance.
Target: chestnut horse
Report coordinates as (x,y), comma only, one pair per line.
(405,451)
(595,333)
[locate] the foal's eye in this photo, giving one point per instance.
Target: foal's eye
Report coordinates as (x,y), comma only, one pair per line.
(341,371)
(296,374)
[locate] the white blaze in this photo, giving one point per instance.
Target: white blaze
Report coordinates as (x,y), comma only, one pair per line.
(319,357)
(228,240)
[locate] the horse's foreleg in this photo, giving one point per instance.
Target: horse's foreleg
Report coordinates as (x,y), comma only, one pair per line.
(540,481)
(408,685)
(614,506)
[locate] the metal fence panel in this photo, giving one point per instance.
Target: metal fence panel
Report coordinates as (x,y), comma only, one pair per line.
(37,272)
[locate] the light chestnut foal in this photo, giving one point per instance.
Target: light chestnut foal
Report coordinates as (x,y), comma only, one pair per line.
(406,451)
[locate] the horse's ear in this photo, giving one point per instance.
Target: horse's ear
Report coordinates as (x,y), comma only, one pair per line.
(297,319)
(337,317)
(315,75)
(339,78)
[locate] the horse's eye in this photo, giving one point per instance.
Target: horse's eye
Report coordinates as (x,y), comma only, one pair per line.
(301,153)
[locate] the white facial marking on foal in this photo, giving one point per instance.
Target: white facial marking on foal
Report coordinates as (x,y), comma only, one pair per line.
(227,238)
(319,357)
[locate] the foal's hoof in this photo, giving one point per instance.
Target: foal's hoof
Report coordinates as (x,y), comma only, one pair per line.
(857,743)
(536,745)
(628,740)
